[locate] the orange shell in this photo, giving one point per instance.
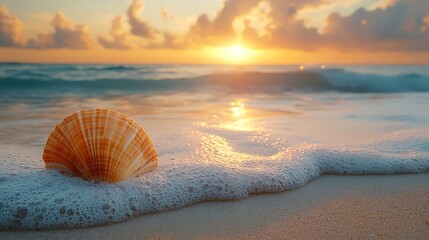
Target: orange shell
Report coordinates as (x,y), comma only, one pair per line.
(100,145)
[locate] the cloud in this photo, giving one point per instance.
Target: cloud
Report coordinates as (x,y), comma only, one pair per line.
(388,26)
(256,23)
(165,13)
(171,41)
(10,29)
(425,26)
(288,31)
(260,24)
(259,19)
(139,27)
(397,27)
(65,35)
(118,38)
(384,25)
(220,30)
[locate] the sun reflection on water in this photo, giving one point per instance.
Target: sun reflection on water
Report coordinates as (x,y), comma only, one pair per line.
(238,117)
(237,109)
(234,136)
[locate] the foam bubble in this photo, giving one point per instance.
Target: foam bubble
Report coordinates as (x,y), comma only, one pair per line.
(207,165)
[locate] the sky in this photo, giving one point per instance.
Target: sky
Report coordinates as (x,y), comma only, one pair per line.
(215,31)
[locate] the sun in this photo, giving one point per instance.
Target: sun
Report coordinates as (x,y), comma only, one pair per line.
(233,54)
(237,51)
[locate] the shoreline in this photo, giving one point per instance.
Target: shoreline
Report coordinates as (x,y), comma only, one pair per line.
(332,206)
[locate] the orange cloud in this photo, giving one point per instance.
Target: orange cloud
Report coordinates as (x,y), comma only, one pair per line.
(65,35)
(10,29)
(139,26)
(220,30)
(425,26)
(396,26)
(288,32)
(401,25)
(118,38)
(257,23)
(258,19)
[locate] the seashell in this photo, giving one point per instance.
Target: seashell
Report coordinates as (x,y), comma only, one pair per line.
(100,145)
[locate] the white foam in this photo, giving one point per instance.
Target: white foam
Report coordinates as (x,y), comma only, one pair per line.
(202,163)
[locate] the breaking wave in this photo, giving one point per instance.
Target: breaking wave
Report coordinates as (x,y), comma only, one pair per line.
(327,80)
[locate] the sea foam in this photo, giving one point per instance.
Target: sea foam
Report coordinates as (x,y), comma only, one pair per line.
(202,163)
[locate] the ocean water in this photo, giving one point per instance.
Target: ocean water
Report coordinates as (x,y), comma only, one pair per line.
(221,132)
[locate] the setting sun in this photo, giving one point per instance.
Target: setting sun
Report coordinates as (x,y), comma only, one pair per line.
(237,51)
(234,54)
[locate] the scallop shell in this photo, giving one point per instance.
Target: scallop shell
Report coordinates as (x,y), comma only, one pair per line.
(100,145)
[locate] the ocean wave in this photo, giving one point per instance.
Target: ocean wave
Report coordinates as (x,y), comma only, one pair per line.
(114,68)
(317,80)
(357,82)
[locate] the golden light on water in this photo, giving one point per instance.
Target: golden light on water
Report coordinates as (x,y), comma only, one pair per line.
(220,148)
(234,116)
(238,117)
(237,109)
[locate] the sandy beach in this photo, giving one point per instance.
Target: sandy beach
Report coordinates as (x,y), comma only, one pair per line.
(331,207)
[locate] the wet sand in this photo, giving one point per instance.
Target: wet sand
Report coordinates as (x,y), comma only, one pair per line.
(331,207)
